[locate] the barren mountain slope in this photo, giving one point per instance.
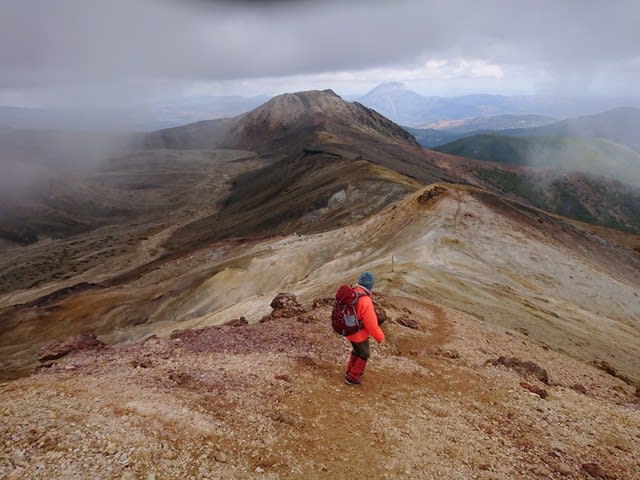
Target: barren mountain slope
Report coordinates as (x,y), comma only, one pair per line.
(150,194)
(562,284)
(183,193)
(446,398)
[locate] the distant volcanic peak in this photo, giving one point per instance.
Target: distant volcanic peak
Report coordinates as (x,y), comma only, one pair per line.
(316,111)
(392,86)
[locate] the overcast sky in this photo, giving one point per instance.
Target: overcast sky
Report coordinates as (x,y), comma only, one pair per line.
(59,52)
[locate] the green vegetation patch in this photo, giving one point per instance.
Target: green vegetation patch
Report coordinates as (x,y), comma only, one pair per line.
(588,199)
(586,155)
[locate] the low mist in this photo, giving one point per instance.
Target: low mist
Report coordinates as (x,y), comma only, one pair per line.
(29,158)
(605,144)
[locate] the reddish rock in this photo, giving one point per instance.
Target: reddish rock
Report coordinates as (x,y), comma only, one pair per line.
(562,468)
(524,368)
(285,305)
(238,322)
(284,377)
(448,353)
(380,312)
(431,193)
(141,363)
(407,322)
(579,388)
(596,471)
(286,301)
(323,302)
(541,392)
(306,319)
(59,349)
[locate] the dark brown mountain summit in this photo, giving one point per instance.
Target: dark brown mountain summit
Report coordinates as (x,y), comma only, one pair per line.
(312,116)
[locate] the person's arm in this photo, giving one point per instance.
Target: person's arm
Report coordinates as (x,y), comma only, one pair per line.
(367,314)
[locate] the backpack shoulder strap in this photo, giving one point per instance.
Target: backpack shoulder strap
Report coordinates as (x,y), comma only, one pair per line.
(358,295)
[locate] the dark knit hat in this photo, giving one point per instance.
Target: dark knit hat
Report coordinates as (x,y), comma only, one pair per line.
(366,280)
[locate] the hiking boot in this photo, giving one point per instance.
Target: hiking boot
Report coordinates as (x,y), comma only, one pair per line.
(351,381)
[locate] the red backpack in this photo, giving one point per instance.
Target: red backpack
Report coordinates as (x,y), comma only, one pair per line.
(344,319)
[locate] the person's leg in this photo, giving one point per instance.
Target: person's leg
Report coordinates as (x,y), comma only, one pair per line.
(360,355)
(352,359)
(361,349)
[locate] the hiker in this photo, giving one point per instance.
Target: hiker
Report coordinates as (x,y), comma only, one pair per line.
(360,339)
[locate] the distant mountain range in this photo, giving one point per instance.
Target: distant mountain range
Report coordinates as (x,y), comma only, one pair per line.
(399,103)
(604,144)
(495,122)
(393,100)
(568,163)
(589,155)
(620,125)
(445,131)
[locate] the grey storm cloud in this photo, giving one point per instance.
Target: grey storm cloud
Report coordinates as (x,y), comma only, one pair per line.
(46,43)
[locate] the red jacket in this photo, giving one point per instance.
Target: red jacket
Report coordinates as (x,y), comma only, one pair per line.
(367,315)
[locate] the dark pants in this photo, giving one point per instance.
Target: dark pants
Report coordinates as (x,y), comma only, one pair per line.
(361,349)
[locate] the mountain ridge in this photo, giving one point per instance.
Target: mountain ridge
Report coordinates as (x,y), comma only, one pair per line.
(619,125)
(408,107)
